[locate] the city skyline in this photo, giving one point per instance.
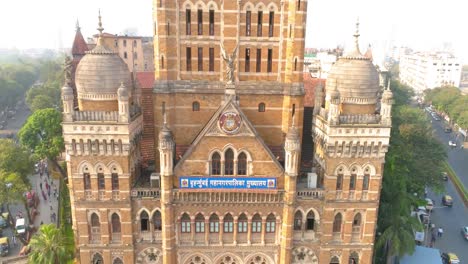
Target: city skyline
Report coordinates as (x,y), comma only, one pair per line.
(327,25)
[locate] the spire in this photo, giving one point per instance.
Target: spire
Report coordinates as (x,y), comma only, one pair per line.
(165,118)
(354,52)
(356,36)
(79,47)
(78,29)
(100,29)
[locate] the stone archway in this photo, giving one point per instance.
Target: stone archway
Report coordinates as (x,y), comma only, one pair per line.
(197,259)
(149,255)
(258,259)
(304,255)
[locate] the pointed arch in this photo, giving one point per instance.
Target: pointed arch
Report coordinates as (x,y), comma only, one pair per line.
(229,162)
(242,164)
(156,220)
(298,221)
(86,167)
(185,224)
(199,223)
(337,223)
(256,223)
(144,221)
(97,258)
(215,163)
(258,258)
(228,222)
(270,226)
(354,258)
(214,223)
(242,222)
(114,167)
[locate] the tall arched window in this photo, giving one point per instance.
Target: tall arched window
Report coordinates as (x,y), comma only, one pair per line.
(125,55)
(229,162)
(357,223)
(365,182)
(335,260)
(298,221)
(125,43)
(242,164)
(256,224)
(352,182)
(270,224)
(242,224)
(354,258)
(228,224)
(95,228)
(97,259)
(195,106)
(214,223)
(157,222)
(261,107)
(337,223)
(144,221)
(339,182)
(216,164)
(115,228)
(310,224)
(199,224)
(117,261)
(185,224)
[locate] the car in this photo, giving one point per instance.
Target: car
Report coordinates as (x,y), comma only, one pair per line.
(464,232)
(20,226)
(445,176)
(429,204)
(447,200)
(3,222)
(450,258)
(452,143)
(448,129)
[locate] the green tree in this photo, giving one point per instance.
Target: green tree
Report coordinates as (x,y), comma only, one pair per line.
(15,159)
(49,246)
(12,189)
(42,134)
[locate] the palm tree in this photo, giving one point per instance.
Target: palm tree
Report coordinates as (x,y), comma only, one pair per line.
(49,246)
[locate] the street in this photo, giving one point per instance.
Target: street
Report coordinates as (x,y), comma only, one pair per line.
(451,219)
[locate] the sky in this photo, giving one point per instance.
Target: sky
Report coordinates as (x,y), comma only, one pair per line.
(419,24)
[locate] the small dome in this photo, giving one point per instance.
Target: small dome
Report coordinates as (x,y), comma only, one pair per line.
(122,91)
(67,90)
(99,75)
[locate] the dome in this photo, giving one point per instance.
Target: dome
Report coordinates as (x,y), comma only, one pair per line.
(99,75)
(355,77)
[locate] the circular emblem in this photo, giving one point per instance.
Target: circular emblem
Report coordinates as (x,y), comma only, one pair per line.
(230,122)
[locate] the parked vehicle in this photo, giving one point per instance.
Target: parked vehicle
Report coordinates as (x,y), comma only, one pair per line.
(464,232)
(20,226)
(429,204)
(445,176)
(448,129)
(450,258)
(452,143)
(33,199)
(4,246)
(447,200)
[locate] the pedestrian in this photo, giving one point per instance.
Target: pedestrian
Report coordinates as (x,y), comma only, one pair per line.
(47,185)
(54,217)
(13,239)
(48,192)
(40,185)
(440,231)
(44,195)
(51,208)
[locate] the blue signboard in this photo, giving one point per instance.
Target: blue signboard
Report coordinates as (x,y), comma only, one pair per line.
(226,183)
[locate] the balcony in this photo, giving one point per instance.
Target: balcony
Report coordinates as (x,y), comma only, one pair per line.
(225,197)
(157,236)
(146,193)
(116,238)
(95,238)
(305,193)
(146,236)
(186,239)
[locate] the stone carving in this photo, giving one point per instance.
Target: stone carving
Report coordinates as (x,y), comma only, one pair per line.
(229,59)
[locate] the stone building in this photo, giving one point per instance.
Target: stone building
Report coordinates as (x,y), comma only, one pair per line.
(227,134)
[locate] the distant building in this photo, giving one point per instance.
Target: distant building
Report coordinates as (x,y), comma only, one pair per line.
(424,71)
(319,63)
(132,49)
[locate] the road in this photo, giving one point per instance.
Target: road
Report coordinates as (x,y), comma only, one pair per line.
(451,219)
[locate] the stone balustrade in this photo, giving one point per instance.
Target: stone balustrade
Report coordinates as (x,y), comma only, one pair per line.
(309,194)
(360,119)
(234,197)
(96,116)
(142,193)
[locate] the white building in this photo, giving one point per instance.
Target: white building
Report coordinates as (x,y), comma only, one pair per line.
(423,71)
(320,64)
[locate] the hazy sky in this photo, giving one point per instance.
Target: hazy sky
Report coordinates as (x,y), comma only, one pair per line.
(420,24)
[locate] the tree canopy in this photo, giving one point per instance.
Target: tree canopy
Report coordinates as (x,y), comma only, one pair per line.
(451,101)
(49,246)
(15,159)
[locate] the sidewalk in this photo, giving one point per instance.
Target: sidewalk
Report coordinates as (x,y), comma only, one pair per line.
(49,206)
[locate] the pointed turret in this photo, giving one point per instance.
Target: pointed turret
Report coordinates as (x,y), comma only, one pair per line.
(79,47)
(368,53)
(123,99)
(386,106)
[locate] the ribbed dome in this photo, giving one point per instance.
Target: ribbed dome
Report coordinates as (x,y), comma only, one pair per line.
(99,75)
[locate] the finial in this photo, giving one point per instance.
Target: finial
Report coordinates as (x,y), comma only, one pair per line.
(77,25)
(294,119)
(100,28)
(165,118)
(356,35)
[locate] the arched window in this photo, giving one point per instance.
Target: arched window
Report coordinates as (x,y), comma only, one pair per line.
(242,164)
(144,221)
(298,221)
(354,258)
(214,223)
(87,181)
(335,260)
(229,162)
(228,224)
(295,64)
(95,228)
(199,224)
(195,106)
(185,224)
(261,107)
(118,261)
(256,224)
(125,55)
(157,222)
(310,224)
(125,43)
(115,219)
(216,164)
(337,223)
(242,224)
(115,182)
(270,224)
(365,182)
(339,182)
(97,259)
(357,223)
(352,182)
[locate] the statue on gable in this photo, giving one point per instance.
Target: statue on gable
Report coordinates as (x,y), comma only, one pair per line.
(229,59)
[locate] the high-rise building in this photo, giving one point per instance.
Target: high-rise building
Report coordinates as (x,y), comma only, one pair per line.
(423,71)
(228,117)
